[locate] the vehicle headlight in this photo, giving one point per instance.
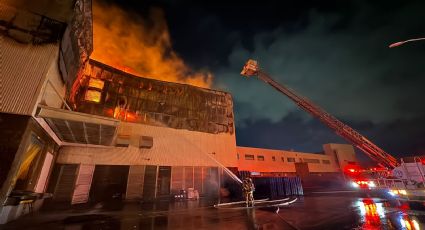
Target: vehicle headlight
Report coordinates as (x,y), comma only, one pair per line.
(354,184)
(402,192)
(372,184)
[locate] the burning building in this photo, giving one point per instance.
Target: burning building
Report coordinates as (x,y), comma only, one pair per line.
(165,136)
(77,130)
(81,130)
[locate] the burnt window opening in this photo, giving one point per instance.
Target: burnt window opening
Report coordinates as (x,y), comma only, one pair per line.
(313,161)
(249,157)
(326,162)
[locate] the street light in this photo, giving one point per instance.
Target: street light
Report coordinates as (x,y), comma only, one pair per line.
(406,41)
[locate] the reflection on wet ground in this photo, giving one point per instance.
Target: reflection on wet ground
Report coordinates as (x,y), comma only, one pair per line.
(314,211)
(345,211)
(380,214)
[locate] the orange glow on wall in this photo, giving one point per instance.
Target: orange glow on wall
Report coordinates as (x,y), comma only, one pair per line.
(131,117)
(109,112)
(93,96)
(140,46)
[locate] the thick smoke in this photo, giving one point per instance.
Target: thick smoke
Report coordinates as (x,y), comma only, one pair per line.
(140,46)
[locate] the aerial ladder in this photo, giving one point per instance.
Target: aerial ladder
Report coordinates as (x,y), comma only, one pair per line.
(384,159)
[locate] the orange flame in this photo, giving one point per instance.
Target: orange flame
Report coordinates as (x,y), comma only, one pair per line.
(140,46)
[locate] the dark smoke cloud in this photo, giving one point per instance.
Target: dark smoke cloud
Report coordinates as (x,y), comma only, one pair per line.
(342,64)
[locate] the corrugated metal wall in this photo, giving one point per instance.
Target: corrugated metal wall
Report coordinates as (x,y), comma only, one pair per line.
(275,187)
(23,68)
(171,147)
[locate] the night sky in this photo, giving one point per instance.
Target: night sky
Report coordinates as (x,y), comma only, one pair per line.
(333,52)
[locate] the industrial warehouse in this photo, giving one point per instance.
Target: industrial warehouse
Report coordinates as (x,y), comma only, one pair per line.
(84,131)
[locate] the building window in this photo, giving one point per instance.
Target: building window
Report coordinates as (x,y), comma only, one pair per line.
(273,158)
(291,159)
(313,161)
(93,96)
(249,157)
(260,158)
(283,159)
(327,162)
(96,83)
(27,171)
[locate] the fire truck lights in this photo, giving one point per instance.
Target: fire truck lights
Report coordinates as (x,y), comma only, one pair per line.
(363,184)
(408,223)
(397,192)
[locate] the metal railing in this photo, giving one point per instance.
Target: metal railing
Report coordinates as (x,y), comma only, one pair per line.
(391,183)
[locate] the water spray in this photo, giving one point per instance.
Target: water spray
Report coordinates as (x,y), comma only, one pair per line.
(230,173)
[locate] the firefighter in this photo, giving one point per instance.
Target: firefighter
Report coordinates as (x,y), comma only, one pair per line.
(248,191)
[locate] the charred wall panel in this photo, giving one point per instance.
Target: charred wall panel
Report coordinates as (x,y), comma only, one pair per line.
(77,42)
(109,92)
(57,10)
(24,24)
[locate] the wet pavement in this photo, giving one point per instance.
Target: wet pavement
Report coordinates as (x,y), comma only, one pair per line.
(335,210)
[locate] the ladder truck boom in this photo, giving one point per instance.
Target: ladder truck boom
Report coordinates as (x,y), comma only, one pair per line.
(251,68)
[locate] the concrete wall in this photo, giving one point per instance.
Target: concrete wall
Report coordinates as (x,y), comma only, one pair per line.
(268,165)
(342,154)
(171,147)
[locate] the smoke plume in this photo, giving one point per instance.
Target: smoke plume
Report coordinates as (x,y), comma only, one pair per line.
(140,46)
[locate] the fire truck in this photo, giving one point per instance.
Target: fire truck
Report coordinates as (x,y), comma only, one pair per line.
(390,173)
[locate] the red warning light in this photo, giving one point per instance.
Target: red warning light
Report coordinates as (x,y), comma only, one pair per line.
(352,170)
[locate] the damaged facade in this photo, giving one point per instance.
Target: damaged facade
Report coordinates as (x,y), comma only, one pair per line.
(75,130)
